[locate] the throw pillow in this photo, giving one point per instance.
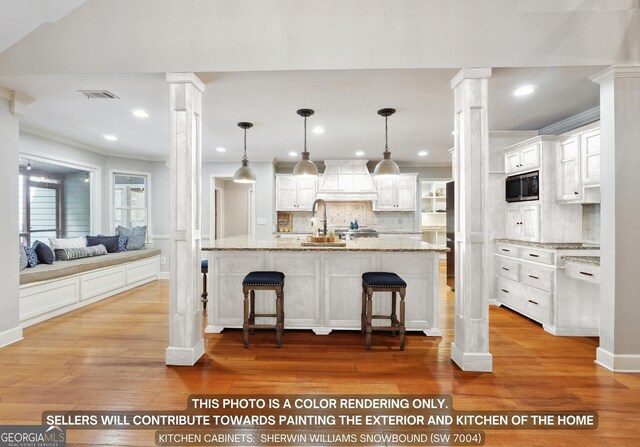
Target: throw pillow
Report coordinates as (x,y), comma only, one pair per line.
(75,242)
(122,242)
(32,257)
(67,254)
(137,236)
(44,253)
(110,242)
(24,261)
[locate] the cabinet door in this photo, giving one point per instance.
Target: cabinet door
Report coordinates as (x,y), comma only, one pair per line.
(568,170)
(512,224)
(306,193)
(512,161)
(530,223)
(286,199)
(386,194)
(590,154)
(530,157)
(406,193)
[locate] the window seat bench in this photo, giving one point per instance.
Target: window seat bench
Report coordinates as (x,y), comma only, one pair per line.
(47,291)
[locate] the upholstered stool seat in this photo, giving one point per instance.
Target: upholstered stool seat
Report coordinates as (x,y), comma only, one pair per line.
(382,282)
(204,269)
(262,280)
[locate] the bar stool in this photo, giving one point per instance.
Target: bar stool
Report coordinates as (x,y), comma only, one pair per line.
(262,281)
(204,269)
(382,282)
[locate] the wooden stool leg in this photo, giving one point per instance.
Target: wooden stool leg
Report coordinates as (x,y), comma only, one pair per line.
(252,314)
(402,328)
(369,328)
(279,322)
(245,326)
(204,295)
(363,312)
(393,317)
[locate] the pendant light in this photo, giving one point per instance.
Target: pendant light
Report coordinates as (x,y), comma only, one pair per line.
(245,174)
(305,167)
(386,166)
(28,165)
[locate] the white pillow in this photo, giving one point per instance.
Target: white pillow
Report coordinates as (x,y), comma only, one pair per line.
(76,242)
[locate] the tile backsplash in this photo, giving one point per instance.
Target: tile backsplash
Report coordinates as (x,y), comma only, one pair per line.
(341,214)
(591,223)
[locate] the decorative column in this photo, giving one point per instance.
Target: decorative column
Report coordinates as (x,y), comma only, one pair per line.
(470,349)
(619,349)
(186,344)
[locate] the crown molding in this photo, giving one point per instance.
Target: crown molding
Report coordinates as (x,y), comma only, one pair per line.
(18,102)
(616,71)
(573,122)
(470,73)
(186,78)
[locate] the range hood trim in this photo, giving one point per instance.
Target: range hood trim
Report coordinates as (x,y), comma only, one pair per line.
(334,170)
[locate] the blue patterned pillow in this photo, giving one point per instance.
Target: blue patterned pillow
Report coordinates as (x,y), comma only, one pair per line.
(122,242)
(32,257)
(137,236)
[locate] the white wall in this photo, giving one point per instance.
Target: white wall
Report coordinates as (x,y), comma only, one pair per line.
(236,208)
(10,329)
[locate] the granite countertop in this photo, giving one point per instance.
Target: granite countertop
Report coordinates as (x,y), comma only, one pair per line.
(392,244)
(550,245)
(308,233)
(591,260)
(434,228)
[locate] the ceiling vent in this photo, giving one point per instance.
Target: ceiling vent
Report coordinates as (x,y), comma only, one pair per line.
(98,94)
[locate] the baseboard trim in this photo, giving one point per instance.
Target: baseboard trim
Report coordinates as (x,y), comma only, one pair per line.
(163,275)
(571,332)
(185,356)
(472,361)
(618,363)
(10,336)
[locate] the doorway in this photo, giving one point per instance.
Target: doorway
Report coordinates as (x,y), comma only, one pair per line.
(232,208)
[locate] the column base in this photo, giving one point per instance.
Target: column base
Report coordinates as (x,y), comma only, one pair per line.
(10,336)
(184,356)
(212,329)
(620,363)
(472,361)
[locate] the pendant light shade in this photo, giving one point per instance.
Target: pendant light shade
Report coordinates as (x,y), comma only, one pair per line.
(386,167)
(245,174)
(305,167)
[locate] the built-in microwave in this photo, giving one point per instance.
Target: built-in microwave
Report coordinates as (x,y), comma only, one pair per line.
(522,187)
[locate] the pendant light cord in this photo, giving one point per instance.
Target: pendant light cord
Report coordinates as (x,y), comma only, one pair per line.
(245,144)
(305,134)
(386,135)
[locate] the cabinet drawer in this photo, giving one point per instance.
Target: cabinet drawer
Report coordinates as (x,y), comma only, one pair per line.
(510,293)
(508,250)
(538,305)
(536,276)
(585,272)
(507,268)
(544,257)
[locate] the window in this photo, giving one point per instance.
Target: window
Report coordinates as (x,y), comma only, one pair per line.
(40,198)
(130,200)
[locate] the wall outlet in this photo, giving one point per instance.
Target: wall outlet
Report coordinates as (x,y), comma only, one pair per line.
(262,220)
(163,260)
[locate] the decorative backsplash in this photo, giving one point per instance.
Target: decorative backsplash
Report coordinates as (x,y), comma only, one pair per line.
(341,214)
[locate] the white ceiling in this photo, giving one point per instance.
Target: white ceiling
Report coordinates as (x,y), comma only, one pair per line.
(345,102)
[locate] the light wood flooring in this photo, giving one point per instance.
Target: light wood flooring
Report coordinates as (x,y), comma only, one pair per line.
(110,356)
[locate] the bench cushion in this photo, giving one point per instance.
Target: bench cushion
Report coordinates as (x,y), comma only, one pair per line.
(68,268)
(263,279)
(383,279)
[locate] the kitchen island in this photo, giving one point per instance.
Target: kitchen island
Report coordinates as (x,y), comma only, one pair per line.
(323,285)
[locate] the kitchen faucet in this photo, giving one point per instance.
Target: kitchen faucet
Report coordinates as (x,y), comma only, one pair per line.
(313,211)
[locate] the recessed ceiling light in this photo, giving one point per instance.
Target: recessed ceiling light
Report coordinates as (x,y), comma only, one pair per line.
(524,90)
(359,153)
(293,154)
(139,113)
(220,149)
(110,137)
(318,130)
(453,132)
(423,153)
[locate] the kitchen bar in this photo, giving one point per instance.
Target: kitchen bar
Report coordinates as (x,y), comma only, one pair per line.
(323,284)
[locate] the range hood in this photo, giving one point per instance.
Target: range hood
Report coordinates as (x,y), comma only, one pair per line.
(346,181)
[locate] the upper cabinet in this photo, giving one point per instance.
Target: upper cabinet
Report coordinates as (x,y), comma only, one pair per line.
(396,193)
(295,194)
(522,159)
(578,166)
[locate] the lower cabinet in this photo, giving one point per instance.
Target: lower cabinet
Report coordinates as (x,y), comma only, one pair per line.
(535,283)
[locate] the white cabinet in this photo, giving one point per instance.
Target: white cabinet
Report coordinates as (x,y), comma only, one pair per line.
(578,167)
(522,159)
(523,222)
(396,193)
(295,194)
